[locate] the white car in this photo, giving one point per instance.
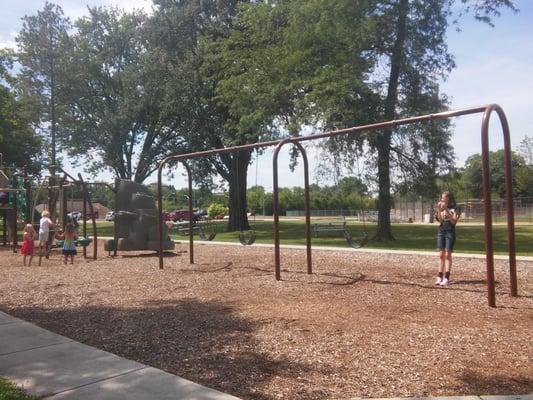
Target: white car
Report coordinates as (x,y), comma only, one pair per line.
(110,216)
(75,215)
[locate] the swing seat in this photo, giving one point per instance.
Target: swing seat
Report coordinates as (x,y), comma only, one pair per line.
(352,243)
(204,227)
(84,242)
(205,237)
(247,241)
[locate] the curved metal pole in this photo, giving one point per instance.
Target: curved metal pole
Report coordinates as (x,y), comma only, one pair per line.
(84,221)
(489,248)
(275,198)
(160,207)
(15,211)
(191,234)
(160,212)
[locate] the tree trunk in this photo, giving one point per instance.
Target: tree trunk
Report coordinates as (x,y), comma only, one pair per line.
(384,230)
(238,220)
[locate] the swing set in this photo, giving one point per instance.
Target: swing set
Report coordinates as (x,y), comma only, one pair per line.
(486,110)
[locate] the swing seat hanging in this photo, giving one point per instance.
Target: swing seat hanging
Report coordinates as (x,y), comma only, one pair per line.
(205,237)
(247,241)
(352,243)
(204,227)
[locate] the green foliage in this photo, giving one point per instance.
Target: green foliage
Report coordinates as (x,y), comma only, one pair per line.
(186,34)
(9,391)
(349,194)
(473,179)
(256,196)
(41,57)
(523,181)
(20,146)
(116,109)
(216,209)
(526,149)
(341,64)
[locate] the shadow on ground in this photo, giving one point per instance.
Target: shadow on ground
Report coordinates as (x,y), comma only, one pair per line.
(202,341)
(493,384)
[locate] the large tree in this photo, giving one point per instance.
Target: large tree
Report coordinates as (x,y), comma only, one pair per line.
(472,177)
(188,34)
(115,113)
(348,64)
(265,68)
(40,53)
(19,145)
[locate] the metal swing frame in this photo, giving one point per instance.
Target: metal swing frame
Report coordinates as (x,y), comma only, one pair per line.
(486,110)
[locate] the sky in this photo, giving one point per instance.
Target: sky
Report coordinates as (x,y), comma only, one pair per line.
(494,65)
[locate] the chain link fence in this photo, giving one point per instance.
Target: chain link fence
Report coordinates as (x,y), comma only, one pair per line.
(422,210)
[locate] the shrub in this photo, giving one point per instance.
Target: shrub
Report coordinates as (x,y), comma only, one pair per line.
(217,209)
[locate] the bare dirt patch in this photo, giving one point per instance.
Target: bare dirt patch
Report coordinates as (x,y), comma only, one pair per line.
(364,325)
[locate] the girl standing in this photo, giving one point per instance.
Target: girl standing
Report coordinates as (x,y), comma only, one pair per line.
(28,248)
(69,244)
(448,215)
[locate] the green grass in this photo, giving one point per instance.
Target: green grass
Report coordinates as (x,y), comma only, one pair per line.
(8,391)
(104,228)
(470,238)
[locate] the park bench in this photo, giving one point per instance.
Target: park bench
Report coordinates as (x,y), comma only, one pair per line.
(330,225)
(339,225)
(206,229)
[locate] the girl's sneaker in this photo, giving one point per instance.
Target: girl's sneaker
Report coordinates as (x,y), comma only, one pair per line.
(444,282)
(439,280)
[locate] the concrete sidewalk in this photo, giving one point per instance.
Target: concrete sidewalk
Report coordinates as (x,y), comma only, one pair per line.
(54,367)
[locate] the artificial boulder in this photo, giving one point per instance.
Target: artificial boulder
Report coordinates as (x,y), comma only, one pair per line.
(136,219)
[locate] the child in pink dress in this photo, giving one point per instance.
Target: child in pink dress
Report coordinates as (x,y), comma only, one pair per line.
(28,248)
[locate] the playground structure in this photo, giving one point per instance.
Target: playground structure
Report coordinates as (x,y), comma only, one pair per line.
(135,220)
(17,204)
(59,192)
(13,194)
(486,110)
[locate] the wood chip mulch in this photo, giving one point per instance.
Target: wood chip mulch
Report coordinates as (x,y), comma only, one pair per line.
(363,325)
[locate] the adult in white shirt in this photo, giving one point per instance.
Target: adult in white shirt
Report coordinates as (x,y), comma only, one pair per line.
(45,224)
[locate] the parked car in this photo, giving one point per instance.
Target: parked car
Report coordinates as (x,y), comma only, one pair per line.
(110,216)
(182,215)
(201,214)
(75,215)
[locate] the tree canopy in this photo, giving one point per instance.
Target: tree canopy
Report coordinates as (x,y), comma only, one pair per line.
(124,90)
(20,146)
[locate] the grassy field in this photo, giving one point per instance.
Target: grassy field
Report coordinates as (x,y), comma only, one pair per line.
(408,236)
